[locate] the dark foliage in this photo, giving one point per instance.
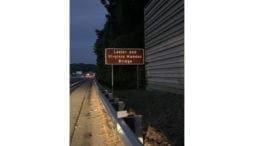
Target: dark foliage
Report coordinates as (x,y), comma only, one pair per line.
(162,111)
(124,28)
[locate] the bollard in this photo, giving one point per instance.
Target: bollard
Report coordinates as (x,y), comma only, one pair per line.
(115,105)
(105,92)
(121,105)
(110,95)
(118,106)
(116,99)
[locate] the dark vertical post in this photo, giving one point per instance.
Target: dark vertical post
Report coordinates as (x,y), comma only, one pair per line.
(137,76)
(112,80)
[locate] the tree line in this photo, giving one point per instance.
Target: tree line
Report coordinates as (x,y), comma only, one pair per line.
(124,28)
(82,67)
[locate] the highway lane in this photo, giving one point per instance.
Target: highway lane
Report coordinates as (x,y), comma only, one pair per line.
(90,125)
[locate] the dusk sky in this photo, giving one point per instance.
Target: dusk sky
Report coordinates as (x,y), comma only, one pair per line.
(86,17)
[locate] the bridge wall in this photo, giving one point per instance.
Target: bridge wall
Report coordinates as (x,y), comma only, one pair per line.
(164,45)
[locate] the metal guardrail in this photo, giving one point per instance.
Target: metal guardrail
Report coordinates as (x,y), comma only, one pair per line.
(76,84)
(126,135)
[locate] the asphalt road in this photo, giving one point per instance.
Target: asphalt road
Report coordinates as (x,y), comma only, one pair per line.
(90,125)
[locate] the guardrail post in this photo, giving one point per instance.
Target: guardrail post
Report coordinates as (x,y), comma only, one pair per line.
(138,127)
(127,136)
(112,79)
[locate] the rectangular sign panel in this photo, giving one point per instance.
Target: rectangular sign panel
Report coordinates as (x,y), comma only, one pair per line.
(124,56)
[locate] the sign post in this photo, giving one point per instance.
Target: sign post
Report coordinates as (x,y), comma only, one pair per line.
(137,76)
(124,56)
(112,79)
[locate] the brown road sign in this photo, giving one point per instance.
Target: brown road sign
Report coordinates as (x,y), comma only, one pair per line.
(124,56)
